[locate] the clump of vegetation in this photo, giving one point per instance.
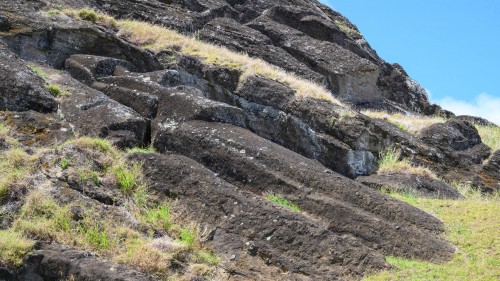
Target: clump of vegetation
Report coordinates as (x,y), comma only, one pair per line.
(15,164)
(101,145)
(54,90)
(38,71)
(92,16)
(391,162)
(350,31)
(147,150)
(87,14)
(408,123)
(472,225)
(13,248)
(280,200)
(490,135)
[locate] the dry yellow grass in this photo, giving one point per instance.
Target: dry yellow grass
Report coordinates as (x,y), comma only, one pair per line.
(390,162)
(410,123)
(158,38)
(490,135)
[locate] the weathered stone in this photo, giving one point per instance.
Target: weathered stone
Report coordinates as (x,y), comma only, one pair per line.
(58,262)
(285,241)
(260,166)
(88,69)
(94,114)
(36,129)
(413,184)
(20,88)
(453,135)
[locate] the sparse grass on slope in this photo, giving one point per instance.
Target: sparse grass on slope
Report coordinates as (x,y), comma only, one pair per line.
(472,225)
(490,135)
(390,162)
(409,123)
(149,237)
(13,248)
(158,38)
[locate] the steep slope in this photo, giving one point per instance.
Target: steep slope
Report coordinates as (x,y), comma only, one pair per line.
(303,37)
(228,131)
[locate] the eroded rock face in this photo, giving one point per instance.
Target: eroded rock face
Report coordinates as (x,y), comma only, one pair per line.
(412,184)
(249,230)
(453,135)
(304,37)
(491,171)
(20,88)
(58,262)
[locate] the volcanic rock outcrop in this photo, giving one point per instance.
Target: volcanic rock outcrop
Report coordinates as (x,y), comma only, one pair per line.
(224,142)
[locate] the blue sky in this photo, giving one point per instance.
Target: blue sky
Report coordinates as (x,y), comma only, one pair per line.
(451,47)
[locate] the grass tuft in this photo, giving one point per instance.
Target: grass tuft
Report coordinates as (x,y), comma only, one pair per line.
(13,248)
(390,162)
(38,71)
(88,15)
(159,217)
(148,150)
(408,123)
(188,236)
(208,258)
(54,90)
(280,200)
(101,145)
(127,177)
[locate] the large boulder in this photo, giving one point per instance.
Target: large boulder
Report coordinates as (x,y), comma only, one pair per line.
(453,135)
(20,88)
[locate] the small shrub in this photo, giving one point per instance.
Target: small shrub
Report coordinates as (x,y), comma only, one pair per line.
(13,248)
(280,200)
(95,178)
(54,90)
(88,15)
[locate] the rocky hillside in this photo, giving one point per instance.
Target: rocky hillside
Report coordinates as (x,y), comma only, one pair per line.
(211,140)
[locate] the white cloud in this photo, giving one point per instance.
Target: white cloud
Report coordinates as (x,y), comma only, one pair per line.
(484,105)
